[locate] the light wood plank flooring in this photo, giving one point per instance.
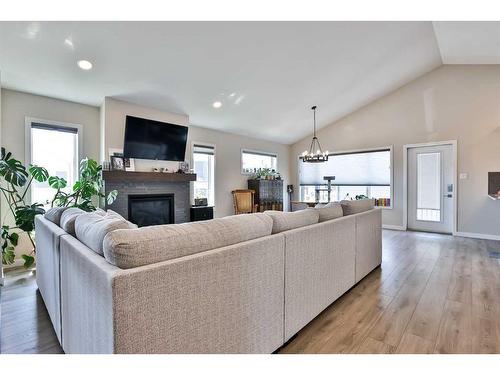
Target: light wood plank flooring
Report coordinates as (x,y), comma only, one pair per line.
(432,294)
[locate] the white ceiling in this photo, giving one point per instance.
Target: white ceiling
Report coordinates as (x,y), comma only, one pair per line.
(267,75)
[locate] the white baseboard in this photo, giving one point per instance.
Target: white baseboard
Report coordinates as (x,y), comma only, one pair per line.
(480,236)
(392,227)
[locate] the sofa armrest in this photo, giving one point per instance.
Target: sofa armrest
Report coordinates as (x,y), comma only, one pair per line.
(368,241)
(48,237)
(227,300)
(86,299)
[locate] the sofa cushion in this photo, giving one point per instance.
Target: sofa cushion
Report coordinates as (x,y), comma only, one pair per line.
(355,207)
(330,211)
(68,218)
(92,227)
(54,214)
(147,245)
(283,221)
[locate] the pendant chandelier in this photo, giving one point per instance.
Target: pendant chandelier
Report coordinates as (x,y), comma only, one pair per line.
(315,153)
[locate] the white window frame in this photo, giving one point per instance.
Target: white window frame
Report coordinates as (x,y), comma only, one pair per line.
(191,160)
(257,152)
(29,142)
(357,151)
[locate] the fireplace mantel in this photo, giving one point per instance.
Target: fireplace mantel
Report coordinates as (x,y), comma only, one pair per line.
(122,176)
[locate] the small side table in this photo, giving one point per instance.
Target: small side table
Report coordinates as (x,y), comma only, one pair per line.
(199,213)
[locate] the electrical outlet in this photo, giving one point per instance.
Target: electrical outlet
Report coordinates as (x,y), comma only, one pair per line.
(464,176)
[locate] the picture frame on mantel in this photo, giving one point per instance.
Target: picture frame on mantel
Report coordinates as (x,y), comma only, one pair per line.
(129,163)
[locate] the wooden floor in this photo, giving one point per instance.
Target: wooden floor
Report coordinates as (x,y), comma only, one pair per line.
(25,326)
(432,294)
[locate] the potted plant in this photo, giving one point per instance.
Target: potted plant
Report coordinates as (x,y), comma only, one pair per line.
(15,182)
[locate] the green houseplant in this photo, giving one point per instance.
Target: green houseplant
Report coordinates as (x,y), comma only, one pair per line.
(15,182)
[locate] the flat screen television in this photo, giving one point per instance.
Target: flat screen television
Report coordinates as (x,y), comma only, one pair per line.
(154,140)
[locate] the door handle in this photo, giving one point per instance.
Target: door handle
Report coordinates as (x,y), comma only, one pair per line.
(448,195)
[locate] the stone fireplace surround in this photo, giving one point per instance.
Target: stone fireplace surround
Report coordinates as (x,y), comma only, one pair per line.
(143,183)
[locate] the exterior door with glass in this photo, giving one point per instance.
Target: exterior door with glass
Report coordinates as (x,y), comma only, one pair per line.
(431,188)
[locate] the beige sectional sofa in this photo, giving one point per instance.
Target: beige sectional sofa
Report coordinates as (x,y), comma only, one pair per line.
(240,284)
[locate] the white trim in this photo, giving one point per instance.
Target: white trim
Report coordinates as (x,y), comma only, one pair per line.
(452,143)
(214,146)
(393,227)
(480,236)
(247,150)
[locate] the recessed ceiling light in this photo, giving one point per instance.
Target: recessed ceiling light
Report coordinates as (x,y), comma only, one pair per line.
(85,65)
(217,104)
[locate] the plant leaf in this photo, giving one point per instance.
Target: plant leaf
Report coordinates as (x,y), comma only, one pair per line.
(8,255)
(13,171)
(25,216)
(111,196)
(57,182)
(28,260)
(40,174)
(14,239)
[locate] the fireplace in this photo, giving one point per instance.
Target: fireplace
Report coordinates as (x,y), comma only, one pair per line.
(151,209)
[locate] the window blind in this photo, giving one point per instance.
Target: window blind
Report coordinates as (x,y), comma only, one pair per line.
(66,129)
(367,168)
(202,149)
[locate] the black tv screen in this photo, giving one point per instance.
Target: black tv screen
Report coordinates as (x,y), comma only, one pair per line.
(154,140)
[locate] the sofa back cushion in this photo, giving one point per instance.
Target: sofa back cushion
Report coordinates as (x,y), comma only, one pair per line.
(147,245)
(68,218)
(355,207)
(92,227)
(283,221)
(330,211)
(54,214)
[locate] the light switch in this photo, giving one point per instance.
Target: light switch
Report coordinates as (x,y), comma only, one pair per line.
(464,176)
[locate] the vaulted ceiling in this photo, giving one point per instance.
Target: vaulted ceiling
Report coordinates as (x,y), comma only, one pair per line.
(267,75)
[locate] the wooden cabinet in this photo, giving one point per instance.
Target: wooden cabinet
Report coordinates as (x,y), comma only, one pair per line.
(268,194)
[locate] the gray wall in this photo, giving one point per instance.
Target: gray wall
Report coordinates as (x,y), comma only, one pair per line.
(453,102)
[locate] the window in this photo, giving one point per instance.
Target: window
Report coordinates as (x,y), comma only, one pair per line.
(204,167)
(357,173)
(429,186)
(251,161)
(54,147)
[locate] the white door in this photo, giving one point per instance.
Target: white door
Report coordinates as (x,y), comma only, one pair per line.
(430,188)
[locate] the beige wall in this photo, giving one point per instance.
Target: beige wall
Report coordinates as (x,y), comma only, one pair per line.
(15,106)
(450,103)
(228,148)
(18,105)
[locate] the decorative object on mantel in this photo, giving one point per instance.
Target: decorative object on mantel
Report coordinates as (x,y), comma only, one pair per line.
(315,153)
(117,163)
(183,167)
(128,163)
